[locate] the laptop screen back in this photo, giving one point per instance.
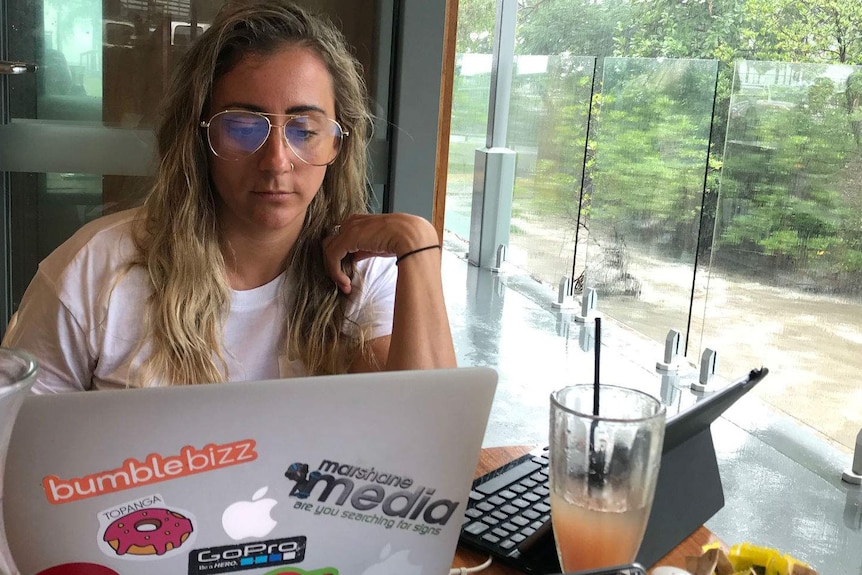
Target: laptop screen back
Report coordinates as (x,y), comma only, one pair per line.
(358,474)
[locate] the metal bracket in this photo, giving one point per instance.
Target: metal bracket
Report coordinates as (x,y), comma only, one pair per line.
(671,353)
(589,306)
(564,300)
(501,257)
(854,474)
(708,361)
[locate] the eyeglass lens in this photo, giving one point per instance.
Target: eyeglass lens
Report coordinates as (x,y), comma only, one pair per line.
(234,135)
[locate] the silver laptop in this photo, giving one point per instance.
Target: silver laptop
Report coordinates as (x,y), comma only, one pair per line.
(362,474)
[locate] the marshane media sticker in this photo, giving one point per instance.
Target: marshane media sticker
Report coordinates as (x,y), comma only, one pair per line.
(145,529)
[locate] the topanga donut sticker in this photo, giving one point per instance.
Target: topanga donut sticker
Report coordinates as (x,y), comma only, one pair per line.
(144,529)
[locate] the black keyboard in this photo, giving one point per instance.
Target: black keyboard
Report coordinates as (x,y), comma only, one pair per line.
(508,511)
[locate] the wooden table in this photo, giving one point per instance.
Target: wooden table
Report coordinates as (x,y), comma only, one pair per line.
(494,457)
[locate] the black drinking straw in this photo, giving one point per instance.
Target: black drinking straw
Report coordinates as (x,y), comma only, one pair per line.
(596,366)
(597,471)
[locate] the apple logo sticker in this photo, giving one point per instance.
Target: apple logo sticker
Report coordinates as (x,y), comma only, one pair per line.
(393,563)
(245,519)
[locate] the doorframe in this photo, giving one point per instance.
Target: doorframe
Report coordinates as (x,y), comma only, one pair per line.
(441,171)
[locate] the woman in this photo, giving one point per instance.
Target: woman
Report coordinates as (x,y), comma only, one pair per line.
(253,256)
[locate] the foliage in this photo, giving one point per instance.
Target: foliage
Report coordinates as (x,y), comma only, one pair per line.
(476,20)
(793,212)
(781,144)
(652,140)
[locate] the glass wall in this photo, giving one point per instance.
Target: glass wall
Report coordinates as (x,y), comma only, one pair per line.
(786,275)
(650,137)
(548,118)
(470,98)
(719,179)
(76,136)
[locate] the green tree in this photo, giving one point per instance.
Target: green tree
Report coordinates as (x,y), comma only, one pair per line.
(476,19)
(828,31)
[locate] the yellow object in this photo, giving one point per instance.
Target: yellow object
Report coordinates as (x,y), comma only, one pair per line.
(743,556)
(777,566)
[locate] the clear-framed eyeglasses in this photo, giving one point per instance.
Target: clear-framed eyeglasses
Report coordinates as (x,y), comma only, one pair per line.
(237,134)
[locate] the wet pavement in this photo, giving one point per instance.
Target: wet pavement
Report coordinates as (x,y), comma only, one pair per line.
(782,482)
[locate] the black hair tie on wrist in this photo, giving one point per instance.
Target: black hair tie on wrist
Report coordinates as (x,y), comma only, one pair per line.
(416,251)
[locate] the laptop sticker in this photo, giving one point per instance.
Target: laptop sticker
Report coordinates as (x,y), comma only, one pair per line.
(153,469)
(255,555)
(247,519)
(78,569)
(145,529)
(359,494)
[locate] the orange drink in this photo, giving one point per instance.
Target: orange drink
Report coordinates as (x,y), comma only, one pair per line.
(603,471)
(594,538)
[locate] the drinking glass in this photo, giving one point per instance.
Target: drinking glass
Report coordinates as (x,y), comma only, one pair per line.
(603,471)
(17,373)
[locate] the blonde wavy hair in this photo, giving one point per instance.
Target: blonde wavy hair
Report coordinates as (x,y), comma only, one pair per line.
(178,240)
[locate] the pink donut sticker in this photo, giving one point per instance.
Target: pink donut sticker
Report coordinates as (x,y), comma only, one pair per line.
(144,529)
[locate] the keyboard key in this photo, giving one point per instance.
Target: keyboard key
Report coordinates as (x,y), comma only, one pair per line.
(476,528)
(499,515)
(510,476)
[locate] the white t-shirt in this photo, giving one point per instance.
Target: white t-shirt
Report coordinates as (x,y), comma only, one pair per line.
(86,335)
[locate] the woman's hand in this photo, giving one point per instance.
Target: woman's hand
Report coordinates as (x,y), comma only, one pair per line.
(421,338)
(368,235)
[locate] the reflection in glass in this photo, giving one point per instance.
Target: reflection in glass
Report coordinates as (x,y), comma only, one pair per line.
(650,139)
(785,281)
(51,207)
(105,64)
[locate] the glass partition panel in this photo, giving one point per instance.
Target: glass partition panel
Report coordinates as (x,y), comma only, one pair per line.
(650,141)
(76,136)
(471,93)
(50,207)
(785,283)
(548,118)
